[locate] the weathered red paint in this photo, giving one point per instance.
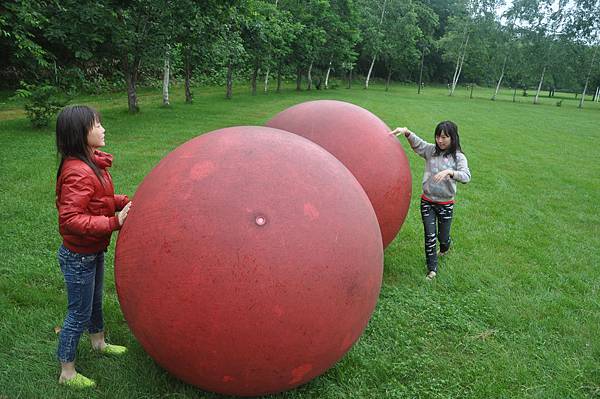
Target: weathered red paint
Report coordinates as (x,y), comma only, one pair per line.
(250,262)
(362,142)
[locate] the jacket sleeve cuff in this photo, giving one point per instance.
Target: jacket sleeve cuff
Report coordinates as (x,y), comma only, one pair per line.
(114,223)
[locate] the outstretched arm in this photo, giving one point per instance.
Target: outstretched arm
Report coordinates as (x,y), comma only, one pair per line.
(420,146)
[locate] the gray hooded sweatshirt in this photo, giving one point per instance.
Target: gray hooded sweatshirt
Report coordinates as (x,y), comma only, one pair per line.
(445,190)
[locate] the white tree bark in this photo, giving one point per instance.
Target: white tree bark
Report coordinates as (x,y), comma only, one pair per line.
(597,93)
(166,73)
(537,93)
(459,62)
(501,77)
(267,80)
(327,76)
(421,71)
(451,86)
(369,74)
(462,61)
(309,76)
(587,80)
(375,55)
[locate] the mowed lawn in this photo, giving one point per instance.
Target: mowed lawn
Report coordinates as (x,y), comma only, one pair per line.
(514,312)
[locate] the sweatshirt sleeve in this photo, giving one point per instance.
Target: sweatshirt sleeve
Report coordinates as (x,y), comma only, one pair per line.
(420,146)
(462,173)
(75,194)
(120,201)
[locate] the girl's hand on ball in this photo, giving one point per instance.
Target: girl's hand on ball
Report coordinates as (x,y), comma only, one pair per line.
(123,214)
(401,130)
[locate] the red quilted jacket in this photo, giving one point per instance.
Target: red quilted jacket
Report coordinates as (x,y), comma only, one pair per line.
(86,207)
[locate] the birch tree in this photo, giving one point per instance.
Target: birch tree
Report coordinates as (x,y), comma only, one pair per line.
(342,35)
(428,22)
(373,31)
(585,22)
(462,52)
(505,38)
(541,22)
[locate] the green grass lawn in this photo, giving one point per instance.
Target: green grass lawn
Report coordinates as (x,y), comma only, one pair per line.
(514,312)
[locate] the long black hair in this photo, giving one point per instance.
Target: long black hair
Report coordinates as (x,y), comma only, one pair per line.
(72,127)
(451,130)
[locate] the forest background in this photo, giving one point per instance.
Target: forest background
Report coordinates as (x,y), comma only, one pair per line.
(52,50)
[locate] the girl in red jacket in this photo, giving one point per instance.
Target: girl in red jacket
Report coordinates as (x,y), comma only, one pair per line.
(86,204)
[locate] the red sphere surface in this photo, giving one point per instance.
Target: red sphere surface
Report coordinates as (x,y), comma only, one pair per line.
(250,262)
(362,142)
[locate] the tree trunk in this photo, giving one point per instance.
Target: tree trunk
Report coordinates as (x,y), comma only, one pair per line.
(267,80)
(537,94)
(131,76)
(597,94)
(298,79)
(132,103)
(500,80)
(375,55)
(421,71)
(327,76)
(515,94)
(387,81)
(278,78)
(369,74)
(459,62)
(188,77)
(55,74)
(254,77)
(451,86)
(166,73)
(309,77)
(229,92)
(460,69)
(350,78)
(587,79)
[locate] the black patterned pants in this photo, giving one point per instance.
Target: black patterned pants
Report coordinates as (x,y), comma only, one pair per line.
(437,220)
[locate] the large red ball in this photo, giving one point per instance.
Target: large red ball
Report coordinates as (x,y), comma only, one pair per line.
(362,142)
(250,262)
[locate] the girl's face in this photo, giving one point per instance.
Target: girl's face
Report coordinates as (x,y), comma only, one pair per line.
(95,137)
(443,141)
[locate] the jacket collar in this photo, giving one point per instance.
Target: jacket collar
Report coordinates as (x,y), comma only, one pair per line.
(102,159)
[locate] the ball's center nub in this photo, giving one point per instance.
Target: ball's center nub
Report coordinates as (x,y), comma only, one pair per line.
(261,220)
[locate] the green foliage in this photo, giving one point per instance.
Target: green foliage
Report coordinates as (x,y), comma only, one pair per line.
(19,23)
(103,45)
(42,102)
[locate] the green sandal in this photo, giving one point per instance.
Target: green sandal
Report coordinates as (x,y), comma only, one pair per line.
(79,382)
(113,350)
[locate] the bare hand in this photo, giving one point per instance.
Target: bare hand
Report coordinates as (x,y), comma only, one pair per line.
(438,177)
(123,214)
(400,130)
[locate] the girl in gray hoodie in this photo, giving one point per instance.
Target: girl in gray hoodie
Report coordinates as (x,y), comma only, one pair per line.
(445,164)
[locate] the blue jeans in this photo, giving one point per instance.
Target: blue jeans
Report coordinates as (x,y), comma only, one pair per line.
(437,220)
(84,278)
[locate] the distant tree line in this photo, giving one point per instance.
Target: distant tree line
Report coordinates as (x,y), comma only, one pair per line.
(101,45)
